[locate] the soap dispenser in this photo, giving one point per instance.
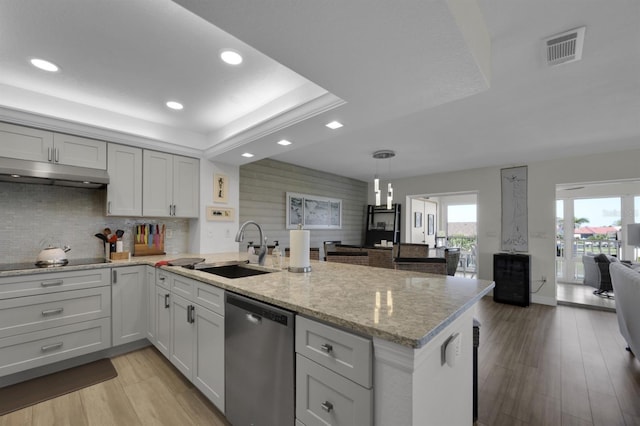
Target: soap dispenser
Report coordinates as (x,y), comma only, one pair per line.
(276,255)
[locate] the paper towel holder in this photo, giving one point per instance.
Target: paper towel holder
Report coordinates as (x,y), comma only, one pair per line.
(299,268)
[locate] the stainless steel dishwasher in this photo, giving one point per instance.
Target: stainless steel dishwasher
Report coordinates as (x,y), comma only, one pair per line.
(259,363)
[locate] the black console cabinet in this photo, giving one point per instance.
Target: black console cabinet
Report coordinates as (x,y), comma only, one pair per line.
(512,275)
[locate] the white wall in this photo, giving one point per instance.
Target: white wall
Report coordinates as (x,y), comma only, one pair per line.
(543,177)
(210,236)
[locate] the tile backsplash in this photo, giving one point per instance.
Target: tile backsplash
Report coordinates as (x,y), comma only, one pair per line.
(35,216)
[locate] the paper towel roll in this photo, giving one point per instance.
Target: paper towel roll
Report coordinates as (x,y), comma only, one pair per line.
(299,255)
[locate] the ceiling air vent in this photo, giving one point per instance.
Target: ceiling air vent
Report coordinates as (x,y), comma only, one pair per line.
(565,47)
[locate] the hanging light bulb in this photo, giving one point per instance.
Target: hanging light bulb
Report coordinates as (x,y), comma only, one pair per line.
(382,154)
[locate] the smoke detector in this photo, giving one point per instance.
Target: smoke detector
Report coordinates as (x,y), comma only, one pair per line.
(565,47)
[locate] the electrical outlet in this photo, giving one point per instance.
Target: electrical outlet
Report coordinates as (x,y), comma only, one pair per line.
(543,279)
(227,233)
(169,233)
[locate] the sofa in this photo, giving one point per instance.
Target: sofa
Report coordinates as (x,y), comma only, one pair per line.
(626,286)
(596,272)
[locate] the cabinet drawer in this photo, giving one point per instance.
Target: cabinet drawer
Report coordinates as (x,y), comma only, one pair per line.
(25,351)
(326,398)
(163,278)
(33,313)
(31,285)
(185,287)
(342,352)
(210,297)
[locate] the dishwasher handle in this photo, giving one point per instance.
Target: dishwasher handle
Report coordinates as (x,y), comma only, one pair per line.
(253,318)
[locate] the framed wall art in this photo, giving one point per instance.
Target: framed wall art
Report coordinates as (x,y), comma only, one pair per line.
(514,224)
(220,188)
(313,212)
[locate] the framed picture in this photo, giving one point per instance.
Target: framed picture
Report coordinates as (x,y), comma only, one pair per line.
(430,224)
(514,226)
(219,214)
(417,219)
(313,212)
(220,188)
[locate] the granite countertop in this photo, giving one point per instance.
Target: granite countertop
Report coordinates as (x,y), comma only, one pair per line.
(403,307)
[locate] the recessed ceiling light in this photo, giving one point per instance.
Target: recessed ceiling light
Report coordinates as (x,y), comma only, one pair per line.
(334,125)
(15,176)
(44,65)
(175,105)
(247,155)
(284,142)
(231,57)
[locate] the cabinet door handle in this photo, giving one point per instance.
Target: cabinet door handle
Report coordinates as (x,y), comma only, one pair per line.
(49,157)
(57,152)
(166,301)
(51,283)
(170,210)
(190,318)
(109,207)
(52,311)
(327,406)
(115,276)
(47,348)
(327,348)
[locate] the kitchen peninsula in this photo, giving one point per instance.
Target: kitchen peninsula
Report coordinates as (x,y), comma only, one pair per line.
(408,317)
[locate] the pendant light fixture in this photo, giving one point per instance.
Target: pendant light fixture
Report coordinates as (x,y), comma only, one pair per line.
(383,154)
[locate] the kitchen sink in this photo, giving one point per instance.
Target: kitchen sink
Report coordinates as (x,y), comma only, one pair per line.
(229,270)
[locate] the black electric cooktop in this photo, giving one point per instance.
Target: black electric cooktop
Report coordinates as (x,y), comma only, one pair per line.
(32,265)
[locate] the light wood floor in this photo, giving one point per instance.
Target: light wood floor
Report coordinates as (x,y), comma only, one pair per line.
(537,366)
(147,391)
(542,365)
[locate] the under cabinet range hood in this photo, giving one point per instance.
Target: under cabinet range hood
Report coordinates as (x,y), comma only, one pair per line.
(23,171)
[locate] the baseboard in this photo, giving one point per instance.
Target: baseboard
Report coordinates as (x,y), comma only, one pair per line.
(22,376)
(542,300)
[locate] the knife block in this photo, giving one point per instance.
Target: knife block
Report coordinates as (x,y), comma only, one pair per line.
(141,249)
(145,250)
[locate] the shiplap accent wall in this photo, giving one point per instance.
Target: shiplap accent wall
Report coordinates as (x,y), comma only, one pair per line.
(263,188)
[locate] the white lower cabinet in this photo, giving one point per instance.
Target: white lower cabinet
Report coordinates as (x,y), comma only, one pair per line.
(129,304)
(29,350)
(150,289)
(208,363)
(182,333)
(53,316)
(327,398)
(163,320)
(334,383)
(189,334)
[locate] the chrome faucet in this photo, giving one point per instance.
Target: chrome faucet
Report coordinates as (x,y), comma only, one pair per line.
(263,240)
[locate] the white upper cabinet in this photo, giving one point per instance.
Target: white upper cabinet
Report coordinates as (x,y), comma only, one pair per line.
(26,143)
(186,186)
(171,185)
(124,192)
(81,152)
